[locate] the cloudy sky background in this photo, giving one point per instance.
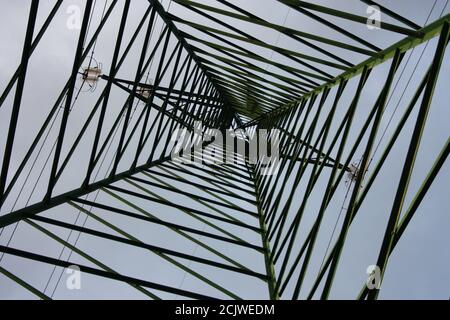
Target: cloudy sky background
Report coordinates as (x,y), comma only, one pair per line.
(419,266)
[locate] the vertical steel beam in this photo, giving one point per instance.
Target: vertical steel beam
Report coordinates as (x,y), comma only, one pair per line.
(411,157)
(73,78)
(381,101)
(107,92)
(18,98)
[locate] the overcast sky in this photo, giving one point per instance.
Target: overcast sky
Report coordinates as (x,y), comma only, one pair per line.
(417,269)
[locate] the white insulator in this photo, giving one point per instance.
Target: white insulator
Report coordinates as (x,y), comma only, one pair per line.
(145,92)
(92,74)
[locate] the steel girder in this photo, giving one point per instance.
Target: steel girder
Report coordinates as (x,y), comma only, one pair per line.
(208,73)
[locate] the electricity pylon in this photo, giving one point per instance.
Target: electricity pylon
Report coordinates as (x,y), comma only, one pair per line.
(243,224)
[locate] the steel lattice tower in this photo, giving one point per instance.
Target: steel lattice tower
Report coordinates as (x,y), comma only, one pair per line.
(248,229)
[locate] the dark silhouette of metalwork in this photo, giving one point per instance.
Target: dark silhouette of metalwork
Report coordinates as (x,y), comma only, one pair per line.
(207,73)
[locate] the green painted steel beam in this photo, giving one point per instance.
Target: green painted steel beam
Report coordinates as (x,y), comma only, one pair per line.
(429,32)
